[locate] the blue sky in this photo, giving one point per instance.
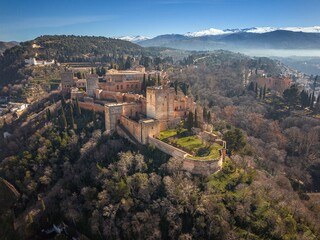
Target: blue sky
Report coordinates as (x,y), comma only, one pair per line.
(25,20)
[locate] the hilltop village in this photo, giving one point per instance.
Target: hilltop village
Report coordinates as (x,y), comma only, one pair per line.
(140,113)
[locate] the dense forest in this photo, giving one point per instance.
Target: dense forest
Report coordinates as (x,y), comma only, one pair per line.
(69,48)
(97,186)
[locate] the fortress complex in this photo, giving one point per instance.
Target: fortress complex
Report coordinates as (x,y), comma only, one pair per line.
(161,109)
(119,94)
(140,116)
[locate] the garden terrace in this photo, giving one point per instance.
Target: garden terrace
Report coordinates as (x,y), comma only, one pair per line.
(191,143)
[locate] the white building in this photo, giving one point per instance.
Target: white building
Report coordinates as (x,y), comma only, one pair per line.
(34,61)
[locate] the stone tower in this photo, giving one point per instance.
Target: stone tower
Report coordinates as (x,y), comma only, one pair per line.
(67,81)
(92,84)
(160,105)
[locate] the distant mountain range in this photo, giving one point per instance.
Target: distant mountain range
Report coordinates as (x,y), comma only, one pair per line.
(133,39)
(237,39)
(214,31)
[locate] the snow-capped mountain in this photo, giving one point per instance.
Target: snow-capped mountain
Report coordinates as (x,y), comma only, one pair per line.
(133,38)
(214,31)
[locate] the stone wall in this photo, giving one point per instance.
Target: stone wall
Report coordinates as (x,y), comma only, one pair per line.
(112,114)
(133,127)
(167,148)
(131,109)
(91,106)
(202,167)
(205,167)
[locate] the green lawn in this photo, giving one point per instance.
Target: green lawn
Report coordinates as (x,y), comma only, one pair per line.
(179,139)
(190,142)
(214,153)
(168,133)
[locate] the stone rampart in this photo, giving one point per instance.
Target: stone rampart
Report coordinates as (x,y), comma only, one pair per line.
(167,148)
(91,106)
(202,167)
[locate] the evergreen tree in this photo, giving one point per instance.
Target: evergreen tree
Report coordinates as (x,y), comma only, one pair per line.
(256,89)
(144,84)
(195,123)
(304,99)
(79,76)
(48,114)
(235,139)
(94,119)
(291,95)
(315,83)
(71,116)
(176,84)
(251,87)
(204,115)
(189,123)
(78,108)
(63,102)
(103,71)
(209,117)
(264,91)
(63,119)
(128,63)
(312,101)
(184,87)
(260,94)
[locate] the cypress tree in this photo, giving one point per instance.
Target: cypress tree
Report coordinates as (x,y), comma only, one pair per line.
(260,94)
(189,121)
(309,100)
(48,114)
(144,84)
(209,117)
(71,117)
(63,102)
(312,101)
(264,91)
(195,123)
(63,119)
(204,115)
(176,84)
(251,87)
(94,119)
(256,89)
(78,108)
(304,99)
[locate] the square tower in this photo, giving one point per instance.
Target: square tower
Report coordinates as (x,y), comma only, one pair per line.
(160,103)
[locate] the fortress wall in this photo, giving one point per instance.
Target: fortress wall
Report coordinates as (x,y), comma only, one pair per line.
(112,114)
(202,167)
(149,128)
(171,123)
(168,149)
(133,127)
(91,106)
(132,109)
(205,167)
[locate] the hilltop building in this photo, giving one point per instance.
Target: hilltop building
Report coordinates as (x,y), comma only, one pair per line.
(35,62)
(140,116)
